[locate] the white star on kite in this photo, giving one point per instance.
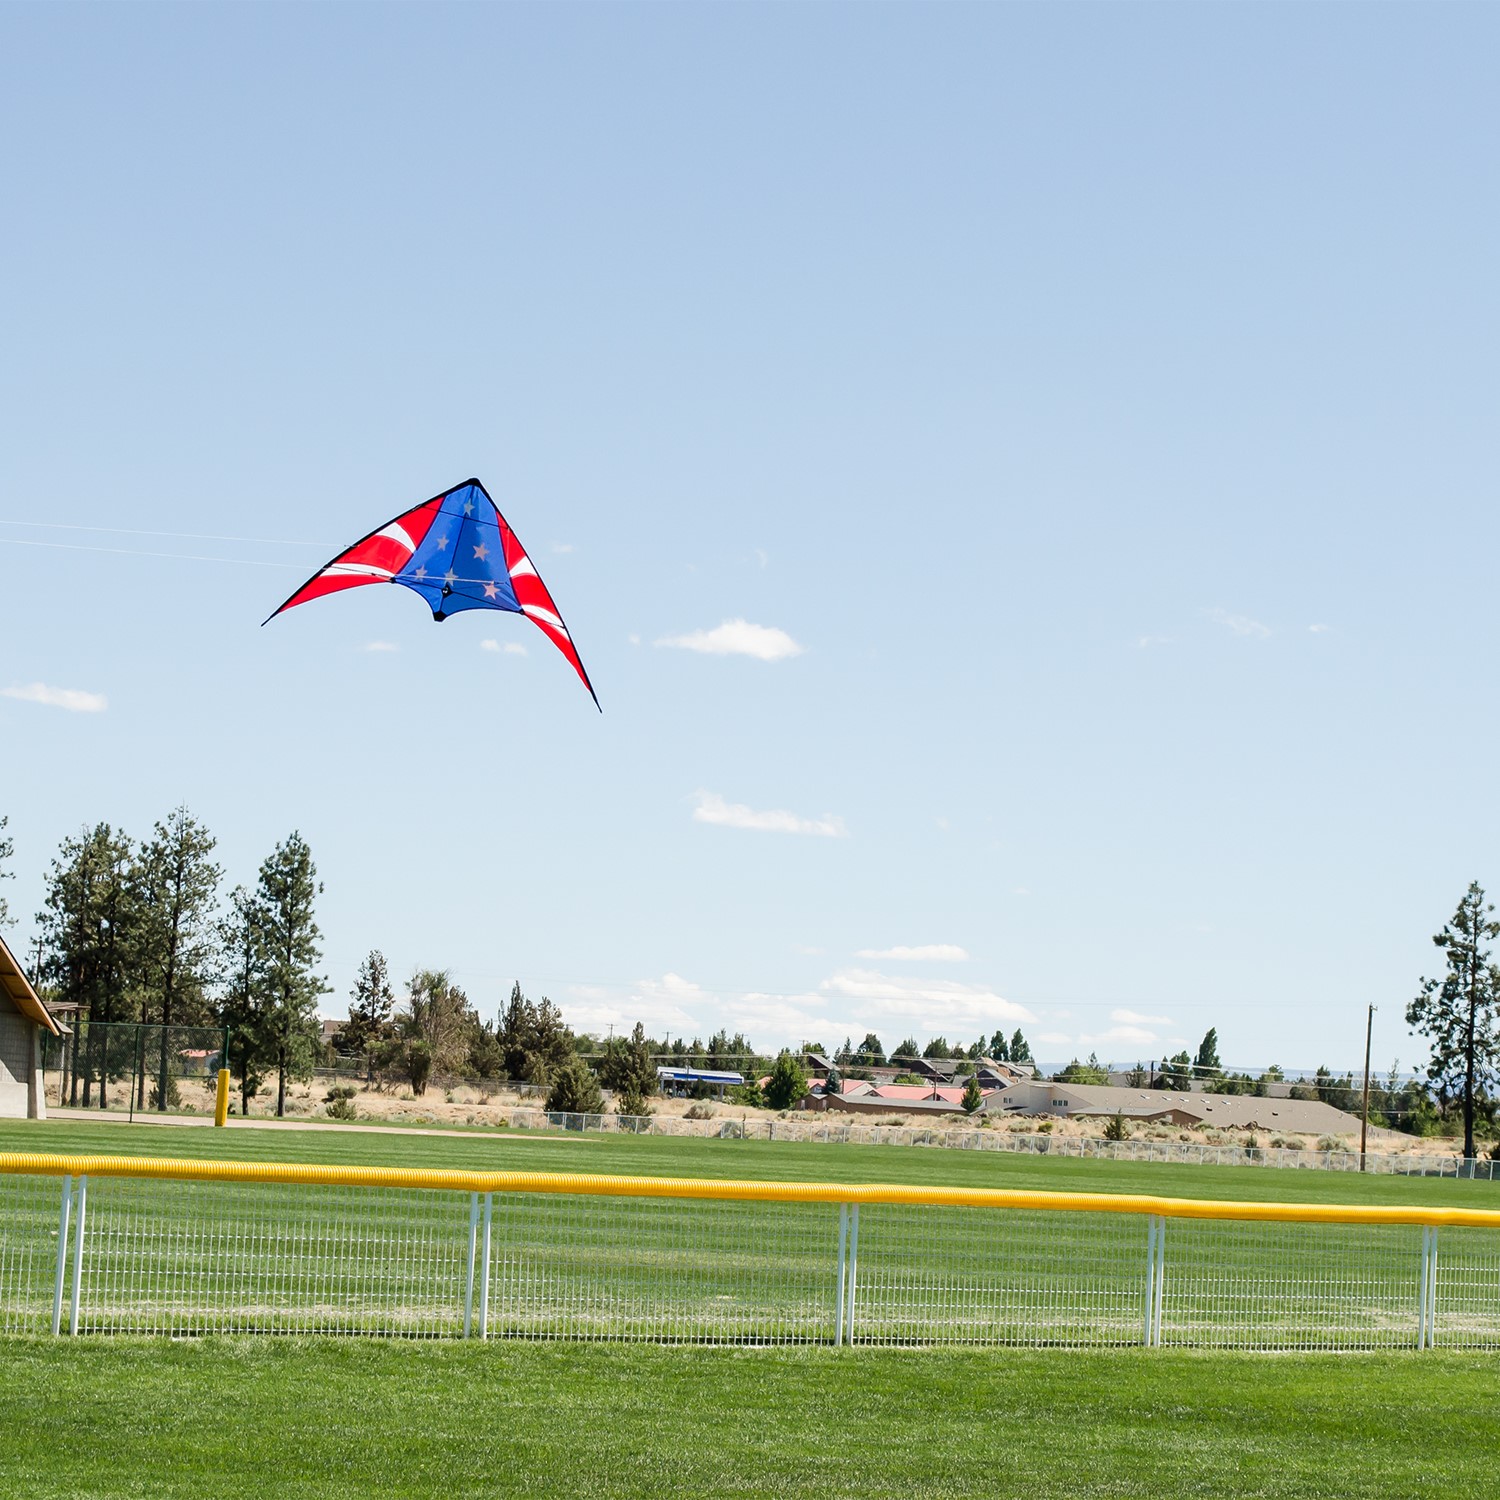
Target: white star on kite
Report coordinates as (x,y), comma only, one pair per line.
(468,507)
(450,576)
(491,591)
(442,543)
(481,552)
(421,573)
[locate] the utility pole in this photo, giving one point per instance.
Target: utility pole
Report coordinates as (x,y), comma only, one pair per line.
(1364,1123)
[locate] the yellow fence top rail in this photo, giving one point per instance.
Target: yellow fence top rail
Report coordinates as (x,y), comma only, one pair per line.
(46,1164)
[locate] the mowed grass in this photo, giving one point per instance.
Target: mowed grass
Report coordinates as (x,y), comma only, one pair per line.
(303,1420)
(665,1156)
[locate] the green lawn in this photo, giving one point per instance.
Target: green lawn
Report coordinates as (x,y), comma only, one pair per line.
(664,1156)
(305,1420)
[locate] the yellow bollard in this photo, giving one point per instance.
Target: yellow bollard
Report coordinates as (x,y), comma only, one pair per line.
(221,1099)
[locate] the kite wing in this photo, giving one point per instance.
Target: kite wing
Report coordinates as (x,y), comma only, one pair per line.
(458,552)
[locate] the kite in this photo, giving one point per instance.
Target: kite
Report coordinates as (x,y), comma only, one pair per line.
(458,552)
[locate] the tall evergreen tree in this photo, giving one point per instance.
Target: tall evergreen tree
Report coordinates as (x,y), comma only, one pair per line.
(244,1005)
(89,934)
(370,1004)
(287,890)
(1020,1049)
(1206,1065)
(1456,1013)
(177,883)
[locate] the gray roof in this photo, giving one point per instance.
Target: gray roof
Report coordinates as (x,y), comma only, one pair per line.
(1235,1111)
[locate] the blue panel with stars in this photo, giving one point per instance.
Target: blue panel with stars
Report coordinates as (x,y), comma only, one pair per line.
(460,563)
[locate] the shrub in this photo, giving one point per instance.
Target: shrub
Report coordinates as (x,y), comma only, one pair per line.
(631,1102)
(418,1066)
(575,1090)
(338,1103)
(787,1083)
(1115,1128)
(748,1094)
(174,1094)
(703,1111)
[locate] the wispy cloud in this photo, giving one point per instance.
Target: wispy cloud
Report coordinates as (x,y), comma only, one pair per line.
(712,808)
(381,646)
(668,1004)
(737,638)
(1319,629)
(1239,624)
(942,953)
(762,556)
(1142,642)
(936,1005)
(1135,1018)
(1136,1036)
(1055,1039)
(73,699)
(506,648)
(561,547)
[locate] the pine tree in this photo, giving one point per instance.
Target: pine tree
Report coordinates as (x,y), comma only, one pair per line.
(244,1005)
(287,890)
(178,887)
(370,1003)
(1020,1049)
(1457,1012)
(973,1096)
(999,1047)
(787,1083)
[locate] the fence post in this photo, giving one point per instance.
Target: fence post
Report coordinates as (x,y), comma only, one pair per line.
(1158,1281)
(838,1333)
(1149,1301)
(853,1277)
(83,1200)
(484,1273)
(1427,1334)
(469,1280)
(62,1255)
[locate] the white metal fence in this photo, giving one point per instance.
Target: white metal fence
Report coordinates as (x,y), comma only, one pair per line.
(109,1253)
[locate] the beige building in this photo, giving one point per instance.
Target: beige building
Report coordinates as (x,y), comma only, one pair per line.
(23,1019)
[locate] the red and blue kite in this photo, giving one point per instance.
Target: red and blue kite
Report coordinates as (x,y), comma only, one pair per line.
(458,552)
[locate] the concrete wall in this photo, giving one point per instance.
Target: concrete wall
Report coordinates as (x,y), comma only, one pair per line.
(20,1066)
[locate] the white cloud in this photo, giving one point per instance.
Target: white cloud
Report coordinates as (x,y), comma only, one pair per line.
(941,953)
(941,1006)
(1019,890)
(848,1003)
(73,699)
(712,808)
(1055,1039)
(508,648)
(381,646)
(1136,1035)
(942,823)
(561,547)
(633,638)
(1135,1018)
(1319,629)
(1239,624)
(1153,640)
(738,638)
(762,556)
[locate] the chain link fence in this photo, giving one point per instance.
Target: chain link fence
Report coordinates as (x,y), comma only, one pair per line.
(131,1067)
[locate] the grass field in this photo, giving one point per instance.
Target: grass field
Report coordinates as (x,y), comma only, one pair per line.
(297,1417)
(108,1419)
(660,1156)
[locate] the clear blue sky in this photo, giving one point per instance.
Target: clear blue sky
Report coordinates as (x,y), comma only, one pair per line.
(1101,398)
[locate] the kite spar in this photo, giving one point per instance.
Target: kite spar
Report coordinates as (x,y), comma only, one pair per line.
(458,552)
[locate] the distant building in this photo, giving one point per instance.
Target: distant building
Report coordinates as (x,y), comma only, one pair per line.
(23,1020)
(680,1081)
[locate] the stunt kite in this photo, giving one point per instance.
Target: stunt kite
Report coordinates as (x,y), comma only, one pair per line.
(458,552)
